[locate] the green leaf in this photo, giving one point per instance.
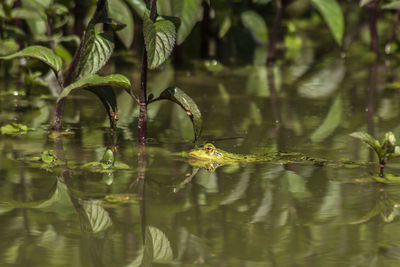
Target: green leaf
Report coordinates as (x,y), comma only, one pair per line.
(225,26)
(257,26)
(331,122)
(108,157)
(107,97)
(365,2)
(119,11)
(48,156)
(94,80)
(14,129)
(36,26)
(333,15)
(179,97)
(41,53)
(8,46)
(187,11)
(159,38)
(368,139)
(392,5)
(96,50)
(97,219)
(139,6)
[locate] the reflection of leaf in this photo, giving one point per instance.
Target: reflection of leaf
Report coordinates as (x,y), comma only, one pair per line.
(176,95)
(333,15)
(375,211)
(331,206)
(257,26)
(324,82)
(296,184)
(331,122)
(97,218)
(265,207)
(239,189)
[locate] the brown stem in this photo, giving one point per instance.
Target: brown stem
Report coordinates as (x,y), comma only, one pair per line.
(373,15)
(274,33)
(382,164)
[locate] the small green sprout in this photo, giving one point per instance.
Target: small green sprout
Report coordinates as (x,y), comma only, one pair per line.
(385,149)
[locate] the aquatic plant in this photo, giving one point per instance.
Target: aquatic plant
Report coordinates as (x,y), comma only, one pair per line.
(385,149)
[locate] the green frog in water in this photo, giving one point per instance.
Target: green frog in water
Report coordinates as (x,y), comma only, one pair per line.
(209,157)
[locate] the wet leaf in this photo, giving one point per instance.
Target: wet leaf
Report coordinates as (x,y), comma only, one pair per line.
(14,129)
(187,11)
(257,26)
(41,53)
(120,12)
(331,121)
(97,49)
(392,5)
(97,218)
(94,80)
(159,38)
(368,139)
(333,16)
(179,97)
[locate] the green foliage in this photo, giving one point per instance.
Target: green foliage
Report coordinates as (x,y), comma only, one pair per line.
(333,15)
(14,129)
(94,80)
(120,12)
(392,5)
(41,53)
(179,97)
(257,26)
(159,38)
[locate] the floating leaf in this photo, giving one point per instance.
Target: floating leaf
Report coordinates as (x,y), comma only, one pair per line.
(120,11)
(159,38)
(331,122)
(187,11)
(333,15)
(182,99)
(41,53)
(257,26)
(392,5)
(48,156)
(14,129)
(368,139)
(94,80)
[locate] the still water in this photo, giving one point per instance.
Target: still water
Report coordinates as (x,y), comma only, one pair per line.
(249,214)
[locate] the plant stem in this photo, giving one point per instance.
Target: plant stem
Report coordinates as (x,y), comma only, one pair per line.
(373,14)
(382,164)
(274,33)
(142,123)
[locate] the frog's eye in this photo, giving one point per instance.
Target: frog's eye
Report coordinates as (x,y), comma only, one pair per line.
(209,148)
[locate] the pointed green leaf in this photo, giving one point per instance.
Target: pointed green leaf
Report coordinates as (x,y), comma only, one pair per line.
(333,16)
(159,38)
(41,53)
(225,26)
(392,5)
(368,139)
(331,122)
(187,11)
(257,26)
(179,97)
(95,80)
(119,11)
(96,50)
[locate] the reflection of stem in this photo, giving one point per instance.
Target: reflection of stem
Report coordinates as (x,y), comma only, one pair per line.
(197,213)
(274,33)
(23,196)
(142,188)
(273,94)
(371,100)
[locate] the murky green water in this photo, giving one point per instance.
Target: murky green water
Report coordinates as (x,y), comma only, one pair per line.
(254,214)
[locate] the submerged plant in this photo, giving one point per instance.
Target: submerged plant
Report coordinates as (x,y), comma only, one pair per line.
(385,149)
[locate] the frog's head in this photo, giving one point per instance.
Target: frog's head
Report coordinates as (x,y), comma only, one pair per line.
(207,152)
